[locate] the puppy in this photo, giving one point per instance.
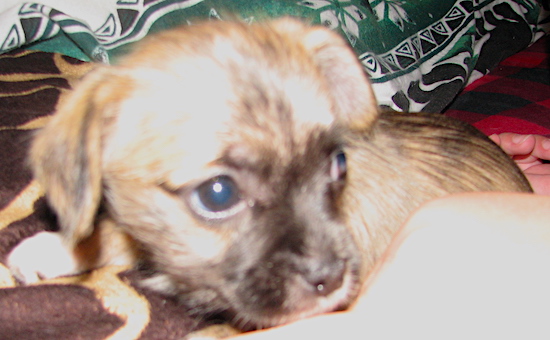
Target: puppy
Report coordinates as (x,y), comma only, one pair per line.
(249,167)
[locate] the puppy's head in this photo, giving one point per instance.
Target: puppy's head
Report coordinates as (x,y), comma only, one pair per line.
(218,148)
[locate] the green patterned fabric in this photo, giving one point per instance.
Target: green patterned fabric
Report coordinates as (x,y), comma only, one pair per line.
(419,54)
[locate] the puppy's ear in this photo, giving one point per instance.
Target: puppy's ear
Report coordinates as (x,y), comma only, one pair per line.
(348,85)
(66,154)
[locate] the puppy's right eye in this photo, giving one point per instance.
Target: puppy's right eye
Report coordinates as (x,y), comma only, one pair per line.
(338,166)
(217,198)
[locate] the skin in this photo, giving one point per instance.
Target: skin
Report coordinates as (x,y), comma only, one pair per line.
(529,152)
(497,289)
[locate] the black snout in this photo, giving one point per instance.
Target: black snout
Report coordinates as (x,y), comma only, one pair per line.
(322,276)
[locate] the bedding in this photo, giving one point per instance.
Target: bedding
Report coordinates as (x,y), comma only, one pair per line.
(419,54)
(514,97)
(54,43)
(105,304)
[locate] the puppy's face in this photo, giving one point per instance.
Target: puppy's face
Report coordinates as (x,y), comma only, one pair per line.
(218,148)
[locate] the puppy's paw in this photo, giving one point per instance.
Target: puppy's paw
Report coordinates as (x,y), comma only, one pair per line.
(213,332)
(42,256)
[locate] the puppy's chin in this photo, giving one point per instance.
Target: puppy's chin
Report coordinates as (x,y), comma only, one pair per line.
(260,308)
(284,286)
(266,294)
(253,308)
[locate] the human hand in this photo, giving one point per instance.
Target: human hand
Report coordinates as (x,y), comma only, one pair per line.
(530,152)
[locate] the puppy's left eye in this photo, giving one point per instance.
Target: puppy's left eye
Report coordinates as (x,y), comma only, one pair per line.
(338,166)
(216,198)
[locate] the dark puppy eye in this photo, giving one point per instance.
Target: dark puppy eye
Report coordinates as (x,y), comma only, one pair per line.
(218,197)
(338,166)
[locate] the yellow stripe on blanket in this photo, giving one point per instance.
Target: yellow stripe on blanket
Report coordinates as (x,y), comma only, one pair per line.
(31,125)
(6,279)
(117,297)
(21,206)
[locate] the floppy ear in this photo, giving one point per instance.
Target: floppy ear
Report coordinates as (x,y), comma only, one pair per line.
(351,93)
(66,154)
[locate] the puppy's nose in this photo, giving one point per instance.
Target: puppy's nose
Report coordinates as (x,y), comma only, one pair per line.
(325,277)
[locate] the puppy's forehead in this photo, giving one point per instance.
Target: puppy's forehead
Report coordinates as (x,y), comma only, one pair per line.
(201,95)
(279,128)
(247,62)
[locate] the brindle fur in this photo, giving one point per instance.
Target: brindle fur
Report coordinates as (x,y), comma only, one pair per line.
(407,159)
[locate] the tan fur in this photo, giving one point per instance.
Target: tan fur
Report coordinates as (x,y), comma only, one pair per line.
(256,103)
(405,160)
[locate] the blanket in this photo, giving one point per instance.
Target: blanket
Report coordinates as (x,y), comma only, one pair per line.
(418,54)
(106,304)
(514,97)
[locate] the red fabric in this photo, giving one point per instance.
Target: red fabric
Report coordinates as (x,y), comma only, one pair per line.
(514,97)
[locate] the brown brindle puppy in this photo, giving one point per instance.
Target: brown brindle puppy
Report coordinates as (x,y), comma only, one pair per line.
(248,166)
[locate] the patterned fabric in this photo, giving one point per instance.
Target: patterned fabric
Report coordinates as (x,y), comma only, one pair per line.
(108,303)
(419,53)
(515,97)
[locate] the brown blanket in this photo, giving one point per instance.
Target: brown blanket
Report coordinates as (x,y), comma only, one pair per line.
(105,304)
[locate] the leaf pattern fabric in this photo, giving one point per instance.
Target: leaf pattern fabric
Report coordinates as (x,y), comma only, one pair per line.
(419,54)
